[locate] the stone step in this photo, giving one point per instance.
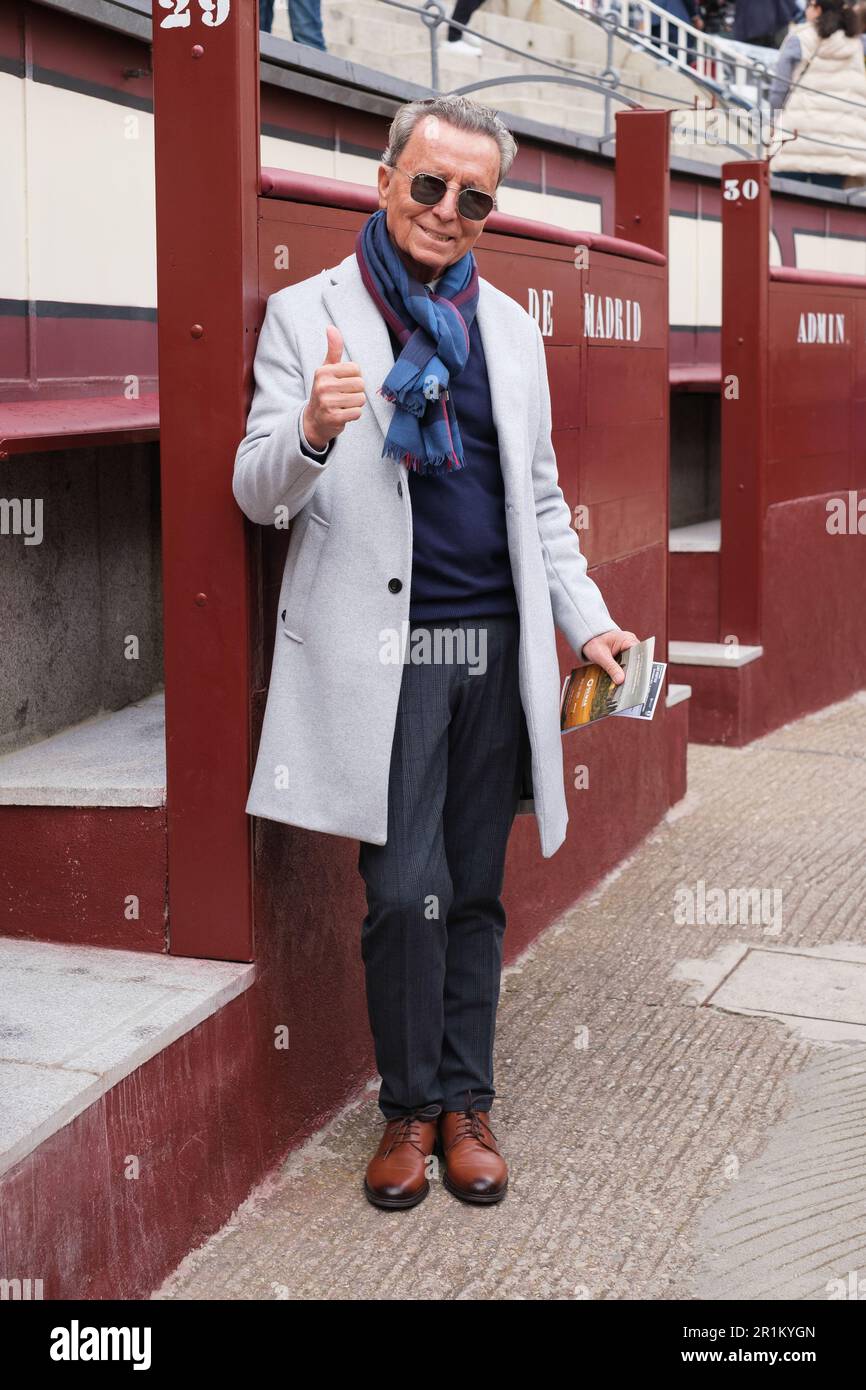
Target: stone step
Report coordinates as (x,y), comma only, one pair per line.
(701,536)
(371,25)
(534,11)
(534,40)
(78,1019)
(415,67)
(727,655)
(570,38)
(588,120)
(394,41)
(375,32)
(113,759)
(550,31)
(333,10)
(455,70)
(556,95)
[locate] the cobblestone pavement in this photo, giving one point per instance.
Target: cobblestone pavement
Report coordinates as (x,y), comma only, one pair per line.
(658,1148)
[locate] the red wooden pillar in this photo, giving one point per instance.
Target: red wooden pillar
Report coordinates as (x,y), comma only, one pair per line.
(206,107)
(642,214)
(642,206)
(745,311)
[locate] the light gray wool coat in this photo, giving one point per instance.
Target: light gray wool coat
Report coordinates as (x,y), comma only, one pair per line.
(325,751)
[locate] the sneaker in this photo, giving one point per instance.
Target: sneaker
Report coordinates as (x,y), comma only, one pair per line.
(469,50)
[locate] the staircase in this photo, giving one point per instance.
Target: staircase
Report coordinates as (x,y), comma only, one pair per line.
(397,42)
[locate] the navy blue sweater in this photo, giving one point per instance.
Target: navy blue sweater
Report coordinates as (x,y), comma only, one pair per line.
(460,561)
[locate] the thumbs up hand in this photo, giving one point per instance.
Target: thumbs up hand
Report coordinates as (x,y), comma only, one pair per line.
(337,396)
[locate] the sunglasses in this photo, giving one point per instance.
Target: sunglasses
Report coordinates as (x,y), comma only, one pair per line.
(429,189)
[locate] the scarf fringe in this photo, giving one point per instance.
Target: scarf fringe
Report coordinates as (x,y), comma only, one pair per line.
(438,463)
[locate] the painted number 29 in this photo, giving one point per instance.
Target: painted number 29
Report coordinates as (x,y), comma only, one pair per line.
(214,12)
(734,192)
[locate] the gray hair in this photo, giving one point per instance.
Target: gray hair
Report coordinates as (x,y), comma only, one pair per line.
(458,111)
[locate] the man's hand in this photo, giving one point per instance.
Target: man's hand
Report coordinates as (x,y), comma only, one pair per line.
(337,395)
(604,648)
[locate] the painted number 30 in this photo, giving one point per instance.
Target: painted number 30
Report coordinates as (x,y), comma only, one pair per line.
(214,12)
(733,192)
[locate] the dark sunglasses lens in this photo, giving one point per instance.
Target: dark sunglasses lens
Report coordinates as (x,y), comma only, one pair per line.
(428,189)
(474,204)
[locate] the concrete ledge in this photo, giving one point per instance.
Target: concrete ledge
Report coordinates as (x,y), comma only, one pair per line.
(115,759)
(677,693)
(712,654)
(703,536)
(77,1019)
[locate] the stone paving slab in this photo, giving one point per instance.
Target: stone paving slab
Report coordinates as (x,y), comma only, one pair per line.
(659,1147)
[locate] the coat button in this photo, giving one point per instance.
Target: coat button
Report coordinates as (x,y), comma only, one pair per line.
(395,585)
(400,489)
(283,615)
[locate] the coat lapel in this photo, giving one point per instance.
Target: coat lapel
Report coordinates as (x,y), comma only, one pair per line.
(364,332)
(506,375)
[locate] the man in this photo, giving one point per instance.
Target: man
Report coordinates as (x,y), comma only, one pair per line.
(416,460)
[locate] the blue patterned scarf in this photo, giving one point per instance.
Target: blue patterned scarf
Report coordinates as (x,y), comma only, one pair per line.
(434,332)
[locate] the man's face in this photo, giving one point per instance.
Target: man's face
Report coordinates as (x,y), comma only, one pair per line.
(429,239)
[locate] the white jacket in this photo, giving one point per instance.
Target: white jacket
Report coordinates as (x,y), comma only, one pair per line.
(324,757)
(830,69)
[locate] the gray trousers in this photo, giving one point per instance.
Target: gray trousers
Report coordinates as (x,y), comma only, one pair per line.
(431,941)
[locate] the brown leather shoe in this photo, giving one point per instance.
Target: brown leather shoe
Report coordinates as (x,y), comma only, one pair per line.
(475,1170)
(397,1173)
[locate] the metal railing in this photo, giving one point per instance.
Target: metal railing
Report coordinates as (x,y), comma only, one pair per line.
(712,75)
(723,73)
(608,83)
(741,72)
(738,77)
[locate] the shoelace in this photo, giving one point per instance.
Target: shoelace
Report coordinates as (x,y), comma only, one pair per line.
(469,1127)
(405,1131)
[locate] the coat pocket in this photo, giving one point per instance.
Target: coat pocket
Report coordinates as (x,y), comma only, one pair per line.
(293,613)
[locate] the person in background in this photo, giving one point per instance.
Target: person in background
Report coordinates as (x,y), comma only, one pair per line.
(763,22)
(689,11)
(712,15)
(457,41)
(821,65)
(305,18)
